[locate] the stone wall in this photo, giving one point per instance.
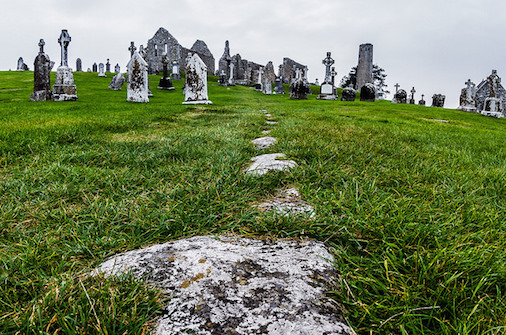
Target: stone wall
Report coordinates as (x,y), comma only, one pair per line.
(164,40)
(289,67)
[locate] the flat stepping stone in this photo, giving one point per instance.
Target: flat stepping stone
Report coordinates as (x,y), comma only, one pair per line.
(269,162)
(443,121)
(266,132)
(268,115)
(225,285)
(264,142)
(271,122)
(288,203)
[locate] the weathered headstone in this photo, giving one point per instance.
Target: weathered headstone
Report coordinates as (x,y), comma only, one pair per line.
(117,68)
(327,89)
(21,65)
(222,80)
(316,82)
(258,85)
(165,82)
(176,72)
(89,70)
(231,81)
(101,72)
(438,100)
(468,98)
(195,88)
(368,93)
(364,68)
(41,76)
(107,66)
(422,102)
(493,104)
(299,88)
(412,98)
(117,82)
(95,67)
(79,65)
(401,96)
(137,79)
(267,86)
(64,88)
(348,94)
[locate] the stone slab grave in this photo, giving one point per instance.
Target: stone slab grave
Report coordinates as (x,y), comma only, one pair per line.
(288,203)
(264,142)
(269,162)
(227,285)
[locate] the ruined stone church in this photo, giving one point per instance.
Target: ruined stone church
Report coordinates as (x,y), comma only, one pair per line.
(163,41)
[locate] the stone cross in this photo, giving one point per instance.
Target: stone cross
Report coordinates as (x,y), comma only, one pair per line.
(231,78)
(328,62)
(165,62)
(298,73)
(64,41)
(397,87)
(469,83)
(413,91)
(423,96)
(333,75)
(260,72)
(41,45)
(494,81)
(132,48)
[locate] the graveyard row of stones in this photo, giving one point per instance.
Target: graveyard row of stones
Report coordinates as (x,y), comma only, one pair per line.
(489,98)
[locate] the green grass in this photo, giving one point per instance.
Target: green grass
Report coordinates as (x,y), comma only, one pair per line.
(414,209)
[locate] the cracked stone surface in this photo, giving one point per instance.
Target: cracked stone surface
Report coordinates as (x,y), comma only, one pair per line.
(269,162)
(288,203)
(225,285)
(264,142)
(272,122)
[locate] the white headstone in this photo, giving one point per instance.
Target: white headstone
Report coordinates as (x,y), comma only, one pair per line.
(137,79)
(195,89)
(101,72)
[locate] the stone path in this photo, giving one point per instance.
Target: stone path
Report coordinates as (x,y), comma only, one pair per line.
(230,285)
(288,203)
(224,285)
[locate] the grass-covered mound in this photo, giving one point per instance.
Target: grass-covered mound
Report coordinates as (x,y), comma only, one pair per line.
(414,208)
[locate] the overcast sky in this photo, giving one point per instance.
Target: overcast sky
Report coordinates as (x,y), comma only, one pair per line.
(433,45)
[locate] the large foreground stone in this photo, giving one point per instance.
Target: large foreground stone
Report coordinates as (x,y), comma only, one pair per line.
(229,285)
(269,162)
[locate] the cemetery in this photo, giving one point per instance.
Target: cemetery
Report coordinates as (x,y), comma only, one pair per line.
(239,200)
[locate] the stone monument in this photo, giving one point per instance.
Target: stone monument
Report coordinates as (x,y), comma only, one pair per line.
(132,49)
(107,66)
(348,94)
(95,67)
(165,82)
(79,65)
(195,88)
(117,68)
(41,76)
(493,104)
(231,77)
(364,68)
(101,72)
(21,65)
(468,98)
(422,102)
(327,89)
(299,88)
(278,87)
(117,82)
(64,88)
(176,72)
(438,100)
(258,85)
(401,96)
(412,98)
(137,79)
(222,80)
(267,86)
(394,101)
(368,93)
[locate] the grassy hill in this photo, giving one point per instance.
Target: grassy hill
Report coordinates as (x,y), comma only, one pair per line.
(413,208)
